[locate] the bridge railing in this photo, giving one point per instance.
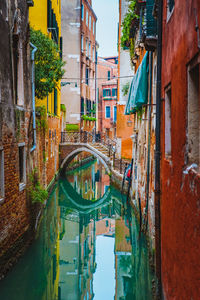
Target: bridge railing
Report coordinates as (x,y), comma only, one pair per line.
(86,137)
(89,137)
(76,137)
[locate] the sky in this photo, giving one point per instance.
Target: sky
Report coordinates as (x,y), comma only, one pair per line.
(107,12)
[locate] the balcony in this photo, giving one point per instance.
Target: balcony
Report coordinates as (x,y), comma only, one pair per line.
(150,26)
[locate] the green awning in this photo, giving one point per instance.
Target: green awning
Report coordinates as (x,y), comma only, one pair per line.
(138,92)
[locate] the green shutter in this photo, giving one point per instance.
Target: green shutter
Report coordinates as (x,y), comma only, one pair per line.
(55,101)
(104,93)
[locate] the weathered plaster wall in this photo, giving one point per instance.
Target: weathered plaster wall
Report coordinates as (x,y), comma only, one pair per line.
(124,69)
(15,130)
(180,198)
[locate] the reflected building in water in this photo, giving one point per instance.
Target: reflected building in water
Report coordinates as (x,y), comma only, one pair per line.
(91,185)
(62,261)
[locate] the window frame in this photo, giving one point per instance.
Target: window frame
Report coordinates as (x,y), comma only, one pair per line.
(168,125)
(107,90)
(193,117)
(86,19)
(82,42)
(114,107)
(82,12)
(107,106)
(94,27)
(90,22)
(169,12)
(22,183)
(115,94)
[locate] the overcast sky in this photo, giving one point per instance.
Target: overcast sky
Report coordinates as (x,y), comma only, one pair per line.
(107,12)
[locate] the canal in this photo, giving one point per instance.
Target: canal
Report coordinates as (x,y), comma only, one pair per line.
(88,245)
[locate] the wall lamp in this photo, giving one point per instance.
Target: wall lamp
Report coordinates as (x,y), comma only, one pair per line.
(67,83)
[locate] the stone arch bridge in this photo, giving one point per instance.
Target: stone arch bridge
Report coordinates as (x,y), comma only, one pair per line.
(73,143)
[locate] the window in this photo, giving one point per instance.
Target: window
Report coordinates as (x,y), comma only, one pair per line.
(22,165)
(107,112)
(106,93)
(170,7)
(82,106)
(114,114)
(108,75)
(93,54)
(90,22)
(82,39)
(168,121)
(88,106)
(86,47)
(93,27)
(86,18)
(87,76)
(114,92)
(15,65)
(1,175)
(82,12)
(89,54)
(194,115)
(20,75)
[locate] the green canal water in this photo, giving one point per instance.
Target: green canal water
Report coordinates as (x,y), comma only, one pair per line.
(88,245)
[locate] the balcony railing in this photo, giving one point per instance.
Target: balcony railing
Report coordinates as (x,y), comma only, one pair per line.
(148,24)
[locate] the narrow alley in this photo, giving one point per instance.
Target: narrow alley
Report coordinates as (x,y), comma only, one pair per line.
(100,149)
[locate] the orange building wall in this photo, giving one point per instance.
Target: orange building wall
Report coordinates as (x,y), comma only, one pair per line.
(124,132)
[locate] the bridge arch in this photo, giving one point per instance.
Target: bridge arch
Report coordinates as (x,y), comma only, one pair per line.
(77,202)
(94,152)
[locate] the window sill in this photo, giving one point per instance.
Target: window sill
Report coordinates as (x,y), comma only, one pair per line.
(22,186)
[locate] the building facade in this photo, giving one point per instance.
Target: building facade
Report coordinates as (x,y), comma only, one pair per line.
(107,96)
(79,52)
(180,148)
(16,133)
(124,128)
(46,17)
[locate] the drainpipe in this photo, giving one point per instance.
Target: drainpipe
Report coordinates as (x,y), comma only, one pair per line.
(157,154)
(149,136)
(33,93)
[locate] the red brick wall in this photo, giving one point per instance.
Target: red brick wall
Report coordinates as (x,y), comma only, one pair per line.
(180,213)
(48,150)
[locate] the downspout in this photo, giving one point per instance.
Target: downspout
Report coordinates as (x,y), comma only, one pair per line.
(149,137)
(33,94)
(157,153)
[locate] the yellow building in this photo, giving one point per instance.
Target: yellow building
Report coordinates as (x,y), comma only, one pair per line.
(45,15)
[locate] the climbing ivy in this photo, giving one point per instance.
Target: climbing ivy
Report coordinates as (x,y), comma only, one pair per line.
(125,88)
(41,118)
(36,192)
(48,64)
(130,24)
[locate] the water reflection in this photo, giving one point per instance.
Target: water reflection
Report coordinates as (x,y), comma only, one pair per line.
(85,250)
(91,184)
